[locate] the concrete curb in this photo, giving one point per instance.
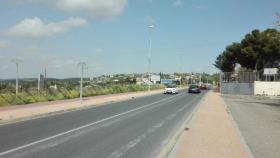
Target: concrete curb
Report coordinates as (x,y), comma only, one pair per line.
(169,149)
(239,133)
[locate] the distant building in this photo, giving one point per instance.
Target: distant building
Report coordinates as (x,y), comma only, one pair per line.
(155,79)
(116,80)
(142,81)
(139,81)
(53,87)
(166,81)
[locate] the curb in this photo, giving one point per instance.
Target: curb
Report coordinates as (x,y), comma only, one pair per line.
(239,133)
(169,149)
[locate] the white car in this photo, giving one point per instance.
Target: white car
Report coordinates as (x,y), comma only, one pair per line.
(171,89)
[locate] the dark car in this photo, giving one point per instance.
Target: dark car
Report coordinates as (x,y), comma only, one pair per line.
(203,87)
(194,89)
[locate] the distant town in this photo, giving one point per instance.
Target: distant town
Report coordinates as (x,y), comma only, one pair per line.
(140,79)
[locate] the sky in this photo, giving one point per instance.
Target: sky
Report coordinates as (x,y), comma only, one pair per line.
(112,36)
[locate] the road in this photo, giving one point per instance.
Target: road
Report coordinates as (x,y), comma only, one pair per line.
(258,119)
(136,128)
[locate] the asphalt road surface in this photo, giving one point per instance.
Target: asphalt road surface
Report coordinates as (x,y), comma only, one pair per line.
(137,128)
(258,119)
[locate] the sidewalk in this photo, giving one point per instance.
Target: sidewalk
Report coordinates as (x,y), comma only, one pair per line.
(21,112)
(212,134)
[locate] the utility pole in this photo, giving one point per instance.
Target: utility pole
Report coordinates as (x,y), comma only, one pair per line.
(277,23)
(150,55)
(199,79)
(39,80)
(17,62)
(221,81)
(181,69)
(180,80)
(81,65)
(45,79)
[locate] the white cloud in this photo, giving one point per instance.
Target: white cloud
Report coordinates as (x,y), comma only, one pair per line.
(35,58)
(4,67)
(36,28)
(178,3)
(199,6)
(4,44)
(96,8)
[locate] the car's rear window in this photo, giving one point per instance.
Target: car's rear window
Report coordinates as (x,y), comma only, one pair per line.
(170,86)
(193,86)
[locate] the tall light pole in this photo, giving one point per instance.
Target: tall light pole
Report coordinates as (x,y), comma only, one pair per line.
(277,23)
(82,65)
(180,68)
(200,79)
(17,62)
(150,54)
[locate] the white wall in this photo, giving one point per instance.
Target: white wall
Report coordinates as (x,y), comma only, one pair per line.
(267,88)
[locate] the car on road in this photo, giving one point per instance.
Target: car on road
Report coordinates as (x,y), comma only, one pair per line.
(194,89)
(171,89)
(203,87)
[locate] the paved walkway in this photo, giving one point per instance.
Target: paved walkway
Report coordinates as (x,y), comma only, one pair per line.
(18,112)
(212,134)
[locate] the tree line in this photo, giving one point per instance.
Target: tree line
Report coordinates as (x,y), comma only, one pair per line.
(256,51)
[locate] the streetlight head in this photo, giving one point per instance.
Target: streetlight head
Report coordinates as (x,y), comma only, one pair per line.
(80,64)
(16,60)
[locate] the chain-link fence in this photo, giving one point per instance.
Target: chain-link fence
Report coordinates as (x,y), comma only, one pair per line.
(239,77)
(247,77)
(242,82)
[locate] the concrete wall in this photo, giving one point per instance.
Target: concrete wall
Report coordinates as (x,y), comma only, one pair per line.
(237,88)
(267,88)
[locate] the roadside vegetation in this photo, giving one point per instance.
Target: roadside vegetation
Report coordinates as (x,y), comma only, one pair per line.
(256,51)
(53,89)
(51,94)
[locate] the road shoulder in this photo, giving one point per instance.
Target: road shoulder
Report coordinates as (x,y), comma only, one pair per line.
(38,110)
(212,133)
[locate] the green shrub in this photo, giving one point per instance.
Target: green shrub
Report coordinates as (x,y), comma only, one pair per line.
(34,96)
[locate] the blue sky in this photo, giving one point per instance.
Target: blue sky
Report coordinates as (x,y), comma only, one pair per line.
(112,35)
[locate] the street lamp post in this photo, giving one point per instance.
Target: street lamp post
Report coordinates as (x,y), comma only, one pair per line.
(150,55)
(180,80)
(82,65)
(181,69)
(200,79)
(17,61)
(277,23)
